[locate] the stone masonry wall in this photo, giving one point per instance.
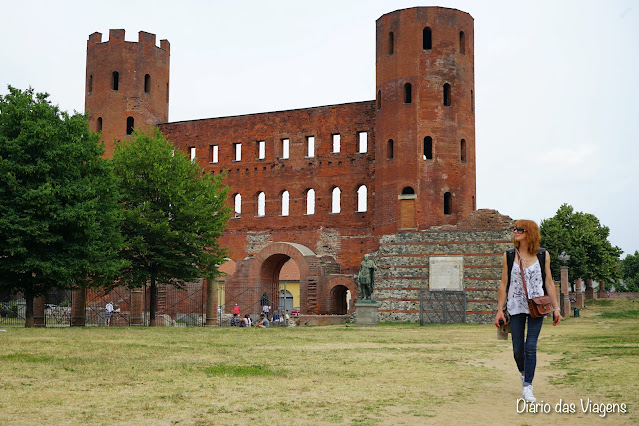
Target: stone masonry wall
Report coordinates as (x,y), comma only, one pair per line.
(403,265)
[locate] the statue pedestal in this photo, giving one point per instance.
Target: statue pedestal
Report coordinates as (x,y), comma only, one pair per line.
(366,313)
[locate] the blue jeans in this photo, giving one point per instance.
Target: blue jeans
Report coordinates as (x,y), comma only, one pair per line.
(525,351)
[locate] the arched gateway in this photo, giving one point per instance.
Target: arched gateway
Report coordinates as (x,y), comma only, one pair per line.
(323,289)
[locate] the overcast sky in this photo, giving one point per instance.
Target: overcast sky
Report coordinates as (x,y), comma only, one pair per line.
(557,95)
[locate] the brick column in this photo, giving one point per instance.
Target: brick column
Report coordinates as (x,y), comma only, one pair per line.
(38,311)
(564,300)
(579,292)
(602,291)
(590,291)
(78,307)
(137,306)
(211,302)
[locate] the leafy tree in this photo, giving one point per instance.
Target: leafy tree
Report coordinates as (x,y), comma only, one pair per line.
(630,273)
(59,211)
(173,214)
(582,236)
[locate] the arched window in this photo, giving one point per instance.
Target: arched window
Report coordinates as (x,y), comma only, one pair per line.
(391,43)
(361,198)
(237,202)
(446,94)
(462,150)
(115,83)
(90,84)
(427,38)
(336,200)
(428,148)
(448,208)
(408,93)
(462,43)
(389,150)
(310,201)
(147,83)
(99,124)
(285,200)
(129,125)
(261,204)
(379,99)
(408,190)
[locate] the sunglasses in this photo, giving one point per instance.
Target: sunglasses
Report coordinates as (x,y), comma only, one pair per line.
(519,230)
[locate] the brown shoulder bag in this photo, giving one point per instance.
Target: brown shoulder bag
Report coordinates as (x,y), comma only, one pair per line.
(539,306)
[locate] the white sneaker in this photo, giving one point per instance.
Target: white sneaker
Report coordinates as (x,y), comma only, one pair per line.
(526,392)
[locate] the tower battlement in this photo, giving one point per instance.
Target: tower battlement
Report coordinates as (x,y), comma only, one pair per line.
(117,36)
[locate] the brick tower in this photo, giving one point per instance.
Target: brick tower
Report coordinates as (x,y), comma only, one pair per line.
(127,85)
(425,120)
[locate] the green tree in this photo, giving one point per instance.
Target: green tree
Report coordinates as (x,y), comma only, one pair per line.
(582,236)
(174,214)
(629,273)
(59,211)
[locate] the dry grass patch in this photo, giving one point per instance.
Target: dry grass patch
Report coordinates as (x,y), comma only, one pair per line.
(391,374)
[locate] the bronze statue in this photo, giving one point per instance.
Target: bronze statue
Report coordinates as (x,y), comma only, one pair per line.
(366,278)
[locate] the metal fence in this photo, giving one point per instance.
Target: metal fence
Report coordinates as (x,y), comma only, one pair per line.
(442,307)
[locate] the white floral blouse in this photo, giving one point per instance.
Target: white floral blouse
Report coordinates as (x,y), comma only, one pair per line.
(517,303)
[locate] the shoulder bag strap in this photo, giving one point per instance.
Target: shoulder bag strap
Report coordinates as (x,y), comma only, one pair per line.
(521,269)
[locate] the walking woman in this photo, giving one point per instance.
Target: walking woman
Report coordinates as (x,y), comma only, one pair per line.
(535,263)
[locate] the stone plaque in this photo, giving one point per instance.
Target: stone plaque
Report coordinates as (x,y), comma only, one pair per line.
(446,273)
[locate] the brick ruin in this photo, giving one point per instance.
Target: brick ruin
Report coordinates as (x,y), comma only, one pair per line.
(393,177)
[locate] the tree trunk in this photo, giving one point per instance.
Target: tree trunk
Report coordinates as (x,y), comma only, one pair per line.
(153,302)
(29,321)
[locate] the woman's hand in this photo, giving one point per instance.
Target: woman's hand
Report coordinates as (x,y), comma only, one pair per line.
(499,316)
(556,318)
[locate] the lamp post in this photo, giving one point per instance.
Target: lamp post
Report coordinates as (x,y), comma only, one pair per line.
(564,301)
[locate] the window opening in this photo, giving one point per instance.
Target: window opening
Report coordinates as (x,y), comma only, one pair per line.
(462,43)
(472,102)
(379,100)
(361,198)
(285,144)
(462,149)
(310,201)
(428,39)
(391,43)
(336,196)
(261,150)
(285,202)
(213,153)
(261,204)
(192,153)
(428,148)
(129,125)
(147,83)
(446,94)
(115,81)
(238,151)
(408,191)
(389,150)
(310,146)
(363,142)
(336,143)
(447,204)
(408,93)
(90,88)
(99,126)
(238,205)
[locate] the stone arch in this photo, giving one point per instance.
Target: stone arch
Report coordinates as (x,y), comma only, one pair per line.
(266,266)
(336,289)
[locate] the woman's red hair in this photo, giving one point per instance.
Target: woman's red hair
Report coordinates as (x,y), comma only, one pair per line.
(532,235)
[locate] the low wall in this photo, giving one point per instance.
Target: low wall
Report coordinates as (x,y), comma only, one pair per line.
(321,319)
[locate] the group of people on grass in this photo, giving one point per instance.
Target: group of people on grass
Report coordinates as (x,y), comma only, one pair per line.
(264,321)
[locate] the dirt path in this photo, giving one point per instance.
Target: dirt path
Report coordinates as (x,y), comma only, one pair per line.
(498,404)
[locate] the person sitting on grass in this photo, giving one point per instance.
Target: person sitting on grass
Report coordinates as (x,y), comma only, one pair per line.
(235,321)
(247,321)
(263,322)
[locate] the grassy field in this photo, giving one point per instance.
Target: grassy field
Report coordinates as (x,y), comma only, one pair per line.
(390,374)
